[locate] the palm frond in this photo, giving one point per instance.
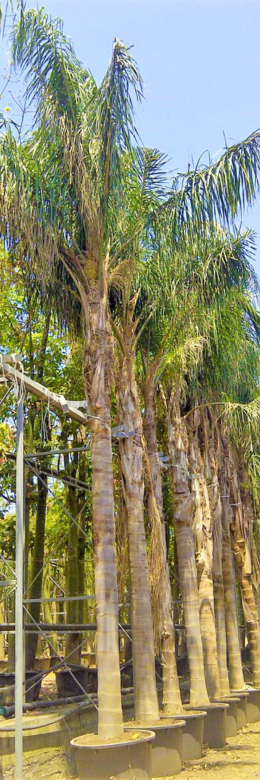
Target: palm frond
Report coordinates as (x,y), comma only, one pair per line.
(47,58)
(113,116)
(217,192)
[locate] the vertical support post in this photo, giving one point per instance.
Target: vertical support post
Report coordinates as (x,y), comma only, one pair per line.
(19,646)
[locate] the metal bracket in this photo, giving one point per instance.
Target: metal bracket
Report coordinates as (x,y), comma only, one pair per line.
(120,433)
(78,404)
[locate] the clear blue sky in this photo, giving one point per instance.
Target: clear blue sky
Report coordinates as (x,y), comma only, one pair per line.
(200,61)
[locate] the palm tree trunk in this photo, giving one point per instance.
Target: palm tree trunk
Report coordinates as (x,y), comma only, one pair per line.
(204,555)
(47,611)
(211,457)
(183,517)
(2,620)
(241,535)
(171,691)
(131,453)
(98,362)
(236,678)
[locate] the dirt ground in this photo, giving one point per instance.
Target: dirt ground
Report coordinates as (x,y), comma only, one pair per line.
(238,760)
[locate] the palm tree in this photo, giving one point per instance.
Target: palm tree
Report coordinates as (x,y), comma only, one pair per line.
(80,136)
(231,368)
(160,576)
(190,292)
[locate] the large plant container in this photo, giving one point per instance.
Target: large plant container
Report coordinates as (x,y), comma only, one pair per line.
(253,705)
(192,734)
(42,662)
(122,759)
(8,679)
(242,717)
(231,715)
(92,679)
(167,747)
(214,723)
(70,682)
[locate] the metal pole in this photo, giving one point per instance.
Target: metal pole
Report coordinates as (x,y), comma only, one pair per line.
(19,648)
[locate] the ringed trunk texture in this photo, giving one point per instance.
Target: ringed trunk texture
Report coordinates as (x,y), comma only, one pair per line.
(98,360)
(171,691)
(211,459)
(183,515)
(204,559)
(131,453)
(241,537)
(236,679)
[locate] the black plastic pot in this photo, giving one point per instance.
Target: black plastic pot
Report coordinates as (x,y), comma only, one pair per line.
(192,734)
(119,760)
(242,716)
(71,681)
(92,679)
(214,723)
(231,715)
(253,705)
(8,679)
(166,747)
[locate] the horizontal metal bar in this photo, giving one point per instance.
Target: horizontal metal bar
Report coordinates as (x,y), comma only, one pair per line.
(58,628)
(58,599)
(77,483)
(55,452)
(61,475)
(6,583)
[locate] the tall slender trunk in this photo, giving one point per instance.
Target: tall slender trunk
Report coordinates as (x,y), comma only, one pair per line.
(236,678)
(35,588)
(11,638)
(171,691)
(37,569)
(97,375)
(241,535)
(27,511)
(47,611)
(85,523)
(2,620)
(183,518)
(81,584)
(72,579)
(211,458)
(204,559)
(131,453)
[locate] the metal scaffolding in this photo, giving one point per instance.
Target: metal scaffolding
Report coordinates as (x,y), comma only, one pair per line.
(10,373)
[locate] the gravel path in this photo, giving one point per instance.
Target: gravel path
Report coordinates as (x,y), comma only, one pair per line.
(238,760)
